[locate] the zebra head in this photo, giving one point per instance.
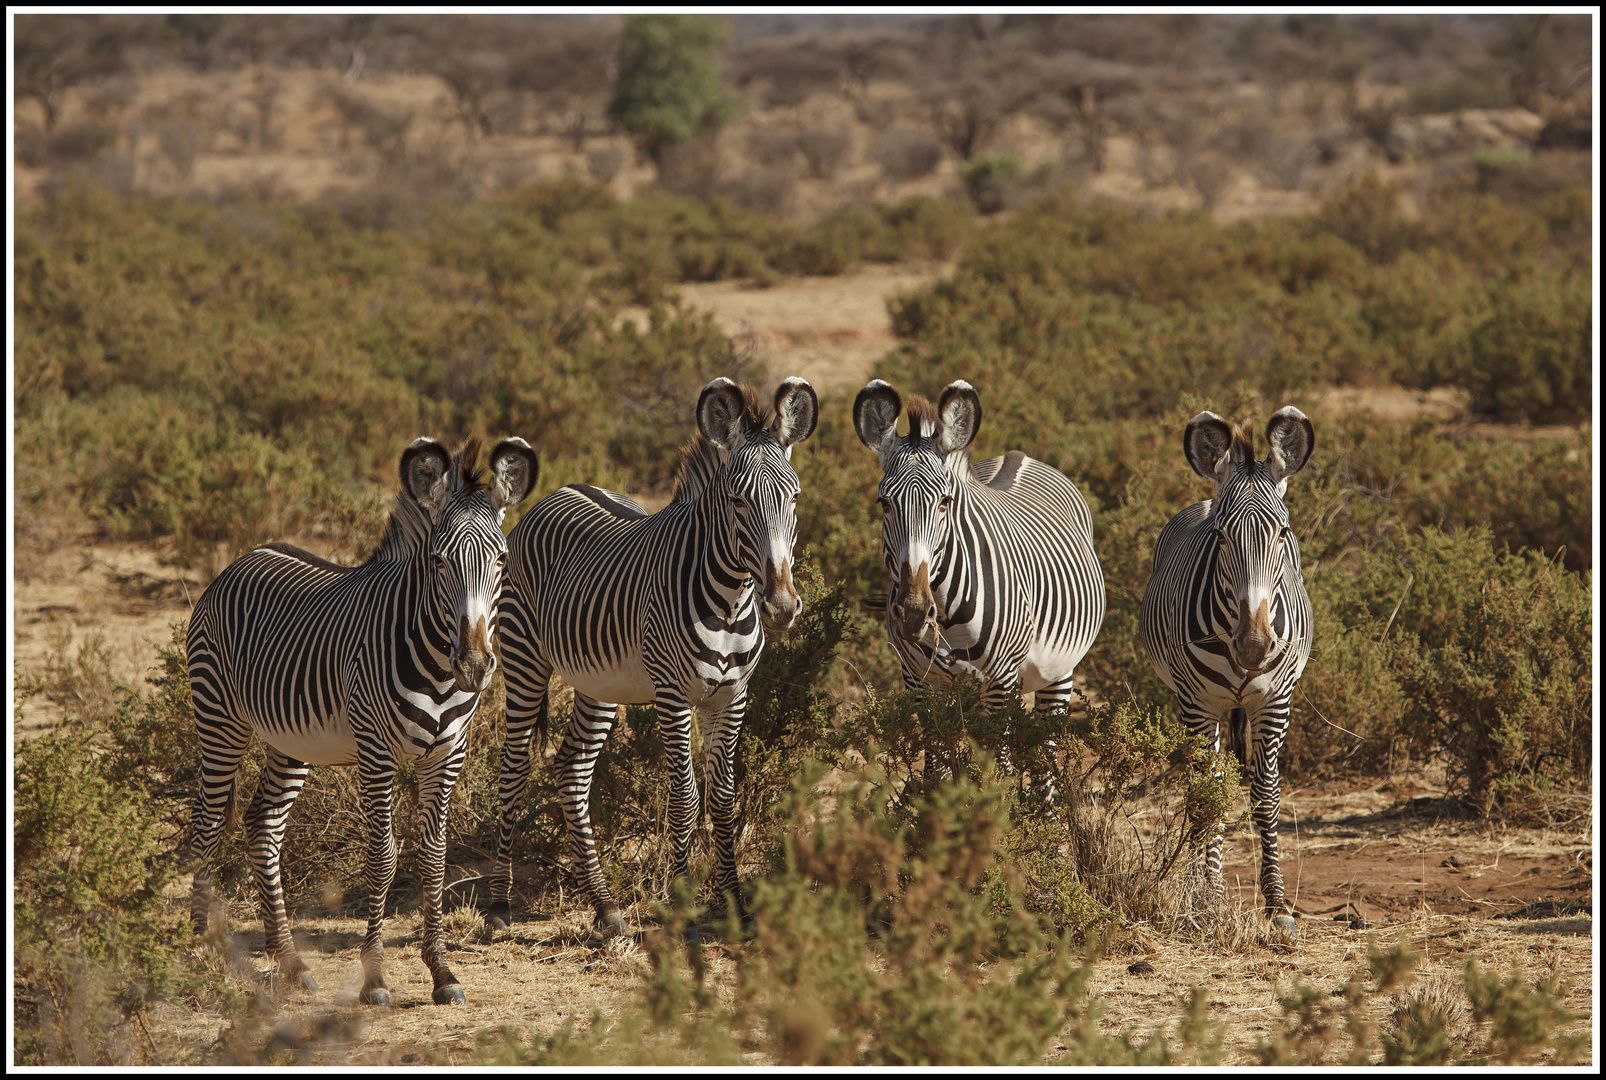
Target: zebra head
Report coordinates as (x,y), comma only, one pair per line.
(918,485)
(756,460)
(1251,520)
(464,551)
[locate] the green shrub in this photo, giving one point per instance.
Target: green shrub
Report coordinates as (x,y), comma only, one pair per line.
(881,939)
(990,181)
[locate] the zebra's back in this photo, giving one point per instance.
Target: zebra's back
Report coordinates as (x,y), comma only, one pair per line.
(1047,526)
(271,641)
(582,576)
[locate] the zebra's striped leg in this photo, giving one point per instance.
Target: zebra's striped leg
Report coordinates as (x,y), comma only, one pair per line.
(720,763)
(282,778)
(1267,731)
(1052,699)
(674,726)
(527,676)
(377,774)
(1207,725)
(223,745)
(577,757)
(435,781)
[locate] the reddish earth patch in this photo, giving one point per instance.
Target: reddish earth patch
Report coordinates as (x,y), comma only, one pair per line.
(1387,856)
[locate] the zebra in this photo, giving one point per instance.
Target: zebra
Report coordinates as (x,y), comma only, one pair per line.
(993,570)
(374,665)
(1226,621)
(631,607)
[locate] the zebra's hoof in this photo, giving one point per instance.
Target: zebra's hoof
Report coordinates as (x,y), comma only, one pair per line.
(376,995)
(499,916)
(1284,927)
(449,995)
(690,935)
(611,923)
(308,983)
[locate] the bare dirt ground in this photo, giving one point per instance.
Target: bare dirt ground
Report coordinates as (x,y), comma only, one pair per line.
(1454,891)
(1387,854)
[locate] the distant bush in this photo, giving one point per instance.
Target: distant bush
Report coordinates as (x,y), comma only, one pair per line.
(824,151)
(906,155)
(991,181)
(1356,293)
(1465,91)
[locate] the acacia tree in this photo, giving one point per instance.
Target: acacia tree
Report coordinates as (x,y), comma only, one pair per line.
(668,89)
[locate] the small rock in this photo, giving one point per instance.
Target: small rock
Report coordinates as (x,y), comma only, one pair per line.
(411,1059)
(1453,863)
(1142,967)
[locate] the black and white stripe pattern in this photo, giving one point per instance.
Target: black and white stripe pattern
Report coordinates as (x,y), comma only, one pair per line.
(373,665)
(993,570)
(631,608)
(1226,620)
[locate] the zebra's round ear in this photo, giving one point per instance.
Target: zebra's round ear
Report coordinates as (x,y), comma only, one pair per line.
(514,469)
(1292,438)
(960,410)
(797,410)
(1207,444)
(875,415)
(424,465)
(720,411)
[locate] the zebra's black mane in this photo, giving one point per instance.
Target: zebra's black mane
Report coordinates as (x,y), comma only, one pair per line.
(409,522)
(699,458)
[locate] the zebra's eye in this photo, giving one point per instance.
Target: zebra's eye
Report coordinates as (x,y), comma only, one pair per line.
(886,507)
(942,507)
(439,560)
(501,561)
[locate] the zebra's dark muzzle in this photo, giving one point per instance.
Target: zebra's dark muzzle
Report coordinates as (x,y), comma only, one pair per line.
(912,603)
(472,659)
(473,672)
(781,604)
(1253,642)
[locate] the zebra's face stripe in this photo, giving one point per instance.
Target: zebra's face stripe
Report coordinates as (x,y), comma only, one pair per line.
(1253,535)
(763,490)
(466,557)
(915,494)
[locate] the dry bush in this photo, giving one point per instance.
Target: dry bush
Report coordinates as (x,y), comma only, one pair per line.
(604,163)
(773,148)
(691,168)
(906,155)
(1430,1023)
(824,151)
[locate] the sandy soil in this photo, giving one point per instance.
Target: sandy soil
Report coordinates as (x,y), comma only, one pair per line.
(1518,896)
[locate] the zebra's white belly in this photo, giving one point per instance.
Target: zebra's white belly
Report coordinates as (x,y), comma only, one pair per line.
(1046,664)
(333,744)
(625,684)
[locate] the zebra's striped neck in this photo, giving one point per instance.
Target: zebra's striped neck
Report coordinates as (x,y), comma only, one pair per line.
(404,534)
(720,543)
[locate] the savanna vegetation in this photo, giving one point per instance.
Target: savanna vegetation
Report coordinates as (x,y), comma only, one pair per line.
(202,376)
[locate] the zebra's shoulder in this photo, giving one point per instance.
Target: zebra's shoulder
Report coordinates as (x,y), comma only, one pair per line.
(1187,521)
(1028,483)
(307,557)
(1000,473)
(614,503)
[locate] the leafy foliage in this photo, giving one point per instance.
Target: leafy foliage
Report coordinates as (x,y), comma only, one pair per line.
(668,87)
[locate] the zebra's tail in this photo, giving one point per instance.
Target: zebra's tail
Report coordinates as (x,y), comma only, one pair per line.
(1238,735)
(231,809)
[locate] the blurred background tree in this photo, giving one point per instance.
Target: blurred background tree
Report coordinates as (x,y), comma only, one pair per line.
(668,90)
